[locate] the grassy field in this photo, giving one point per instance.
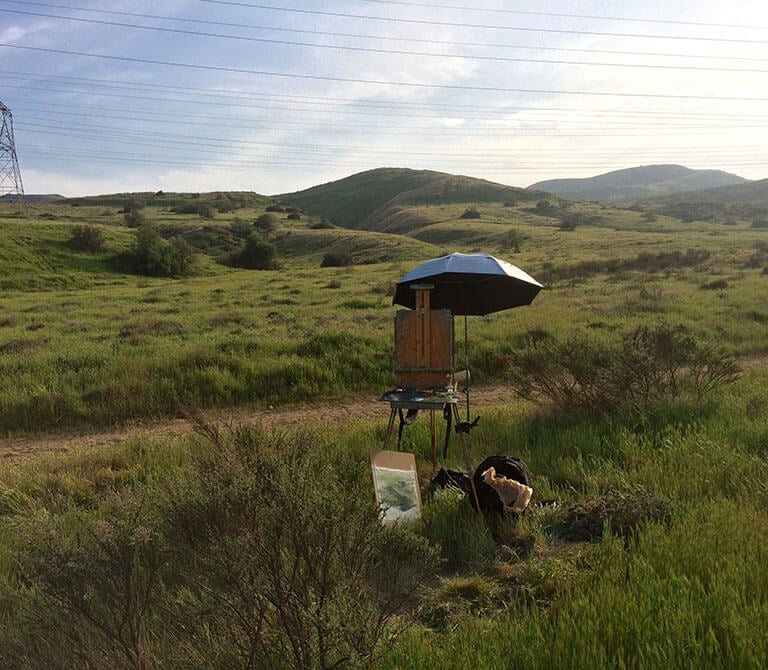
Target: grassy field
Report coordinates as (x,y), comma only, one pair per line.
(644,544)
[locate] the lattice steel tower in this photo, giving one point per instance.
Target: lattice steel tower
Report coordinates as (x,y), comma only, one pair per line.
(11,187)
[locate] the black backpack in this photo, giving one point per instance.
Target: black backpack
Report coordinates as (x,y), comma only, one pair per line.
(505,466)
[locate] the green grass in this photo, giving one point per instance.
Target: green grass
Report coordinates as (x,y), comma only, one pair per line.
(684,589)
(86,346)
(650,553)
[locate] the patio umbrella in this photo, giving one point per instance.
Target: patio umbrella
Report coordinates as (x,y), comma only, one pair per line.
(468,284)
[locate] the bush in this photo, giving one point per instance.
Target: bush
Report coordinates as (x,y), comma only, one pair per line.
(335,260)
(266,223)
(153,256)
(650,363)
(87,238)
(471,213)
(623,513)
(240,228)
(206,211)
(287,562)
(134,218)
(96,589)
(257,254)
(323,224)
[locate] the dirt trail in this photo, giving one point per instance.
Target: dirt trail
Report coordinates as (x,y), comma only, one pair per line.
(293,416)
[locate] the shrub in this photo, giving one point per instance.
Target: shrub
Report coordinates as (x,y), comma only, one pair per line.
(335,260)
(715,285)
(240,228)
(87,238)
(96,588)
(471,213)
(266,223)
(323,224)
(134,205)
(650,363)
(512,239)
(623,513)
(287,564)
(153,256)
(257,254)
(134,218)
(205,211)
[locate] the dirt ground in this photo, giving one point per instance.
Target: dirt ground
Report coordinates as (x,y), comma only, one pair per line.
(294,416)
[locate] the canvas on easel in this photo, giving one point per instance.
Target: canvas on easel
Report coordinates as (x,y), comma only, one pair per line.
(396,485)
(423,345)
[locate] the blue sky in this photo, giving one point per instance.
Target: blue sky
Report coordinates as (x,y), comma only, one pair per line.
(280,95)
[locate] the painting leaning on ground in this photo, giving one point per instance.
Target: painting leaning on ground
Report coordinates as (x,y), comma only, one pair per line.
(634,388)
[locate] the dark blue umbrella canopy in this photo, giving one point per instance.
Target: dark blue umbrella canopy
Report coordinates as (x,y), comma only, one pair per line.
(469,284)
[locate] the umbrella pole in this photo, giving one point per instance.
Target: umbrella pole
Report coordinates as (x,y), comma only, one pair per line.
(466,362)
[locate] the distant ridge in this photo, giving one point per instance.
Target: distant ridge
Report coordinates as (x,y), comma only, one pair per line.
(638,183)
(38,199)
(750,193)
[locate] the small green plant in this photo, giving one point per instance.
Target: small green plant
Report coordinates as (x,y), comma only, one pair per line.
(624,513)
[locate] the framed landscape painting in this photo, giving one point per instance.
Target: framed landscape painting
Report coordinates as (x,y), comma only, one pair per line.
(396,484)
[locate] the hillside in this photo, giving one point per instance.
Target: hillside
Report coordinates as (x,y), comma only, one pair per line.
(639,183)
(749,193)
(382,200)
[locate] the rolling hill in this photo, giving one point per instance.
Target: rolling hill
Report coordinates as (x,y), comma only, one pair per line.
(384,199)
(639,183)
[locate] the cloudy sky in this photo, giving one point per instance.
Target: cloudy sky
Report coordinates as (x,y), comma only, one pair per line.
(275,96)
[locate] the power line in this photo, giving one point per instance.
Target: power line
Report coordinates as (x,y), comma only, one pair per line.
(479,26)
(379,82)
(520,12)
(393,52)
(393,38)
(204,96)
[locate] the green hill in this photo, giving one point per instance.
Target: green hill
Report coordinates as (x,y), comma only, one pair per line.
(386,199)
(749,193)
(638,183)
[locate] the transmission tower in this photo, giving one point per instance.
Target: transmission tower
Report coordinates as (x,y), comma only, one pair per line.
(11,188)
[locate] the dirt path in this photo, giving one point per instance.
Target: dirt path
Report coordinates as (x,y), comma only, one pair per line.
(294,416)
(361,409)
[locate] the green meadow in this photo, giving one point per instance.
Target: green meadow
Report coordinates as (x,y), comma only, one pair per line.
(248,546)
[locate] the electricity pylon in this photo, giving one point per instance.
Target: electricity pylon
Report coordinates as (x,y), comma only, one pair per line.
(11,188)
